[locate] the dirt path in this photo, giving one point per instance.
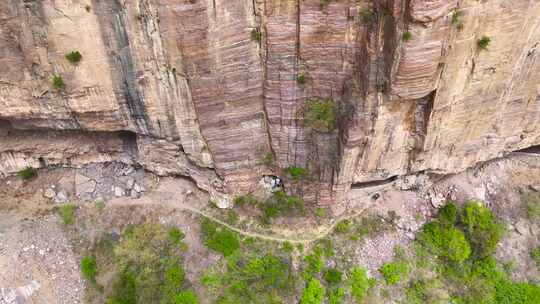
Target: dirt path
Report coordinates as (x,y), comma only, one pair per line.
(172,201)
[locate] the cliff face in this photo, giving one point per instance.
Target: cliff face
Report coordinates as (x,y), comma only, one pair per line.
(209,89)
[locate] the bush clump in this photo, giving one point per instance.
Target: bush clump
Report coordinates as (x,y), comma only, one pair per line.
(483,43)
(281,204)
(67,213)
(313,293)
(407,36)
(332,276)
(394,272)
(320,115)
(463,242)
(301,79)
(256,35)
(296,173)
(535,255)
(219,239)
(58,82)
(149,268)
(74,57)
(27,173)
(360,284)
(88,268)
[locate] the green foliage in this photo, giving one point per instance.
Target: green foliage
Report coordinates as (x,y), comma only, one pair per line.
(186,297)
(394,272)
(343,226)
(219,239)
(531,201)
(336,296)
(535,255)
(313,293)
(176,236)
(232,217)
(58,82)
(67,213)
(472,276)
(456,15)
(301,79)
(149,263)
(481,229)
(296,173)
(256,35)
(360,284)
(99,204)
(243,200)
(88,268)
(366,15)
(74,57)
(320,115)
(314,263)
(281,204)
(27,173)
(483,43)
(320,212)
(251,278)
(287,247)
(407,36)
(332,276)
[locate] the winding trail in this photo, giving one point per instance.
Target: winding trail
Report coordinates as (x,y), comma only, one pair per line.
(157,198)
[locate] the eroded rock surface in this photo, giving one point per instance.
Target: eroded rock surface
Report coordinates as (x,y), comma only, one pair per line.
(209,89)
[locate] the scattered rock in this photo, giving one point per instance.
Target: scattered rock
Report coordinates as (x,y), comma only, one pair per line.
(61,197)
(49,193)
(119,191)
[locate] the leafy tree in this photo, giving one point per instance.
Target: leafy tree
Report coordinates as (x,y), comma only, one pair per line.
(360,284)
(219,239)
(313,293)
(332,276)
(74,57)
(394,272)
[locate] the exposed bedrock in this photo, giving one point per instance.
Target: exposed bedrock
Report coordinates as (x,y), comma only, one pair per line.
(217,90)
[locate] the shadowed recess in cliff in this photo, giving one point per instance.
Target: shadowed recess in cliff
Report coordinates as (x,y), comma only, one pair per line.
(113,22)
(374,183)
(530,150)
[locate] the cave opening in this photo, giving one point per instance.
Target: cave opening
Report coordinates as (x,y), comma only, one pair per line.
(374,183)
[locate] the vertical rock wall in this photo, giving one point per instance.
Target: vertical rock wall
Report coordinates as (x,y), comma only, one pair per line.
(204,97)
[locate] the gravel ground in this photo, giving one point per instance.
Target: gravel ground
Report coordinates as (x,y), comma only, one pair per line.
(37,263)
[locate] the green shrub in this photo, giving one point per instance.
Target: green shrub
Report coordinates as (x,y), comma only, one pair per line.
(301,79)
(407,36)
(366,15)
(99,204)
(320,115)
(531,201)
(360,284)
(296,173)
(446,242)
(74,57)
(219,239)
(314,263)
(313,293)
(186,297)
(320,212)
(343,227)
(149,263)
(58,82)
(88,268)
(27,173)
(483,43)
(456,17)
(287,247)
(67,213)
(394,272)
(332,276)
(336,296)
(176,236)
(243,200)
(481,229)
(535,255)
(256,35)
